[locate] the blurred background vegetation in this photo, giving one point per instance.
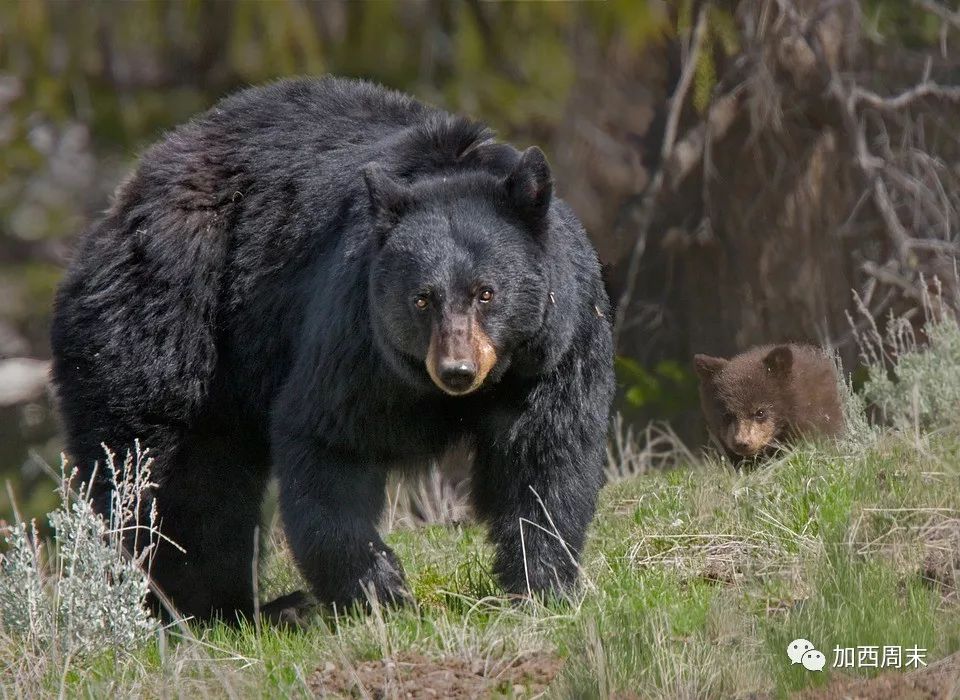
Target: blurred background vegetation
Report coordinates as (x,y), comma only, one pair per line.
(728,158)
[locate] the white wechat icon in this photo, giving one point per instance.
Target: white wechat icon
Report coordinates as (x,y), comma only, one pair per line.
(813,660)
(802,651)
(797,648)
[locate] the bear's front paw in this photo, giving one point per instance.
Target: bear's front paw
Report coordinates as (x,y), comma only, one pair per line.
(291,610)
(384,578)
(538,579)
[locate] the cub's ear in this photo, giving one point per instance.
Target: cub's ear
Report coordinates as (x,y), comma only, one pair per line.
(389,199)
(779,361)
(529,186)
(707,366)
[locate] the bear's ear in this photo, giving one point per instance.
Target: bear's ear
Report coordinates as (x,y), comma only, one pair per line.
(779,361)
(389,199)
(530,186)
(707,366)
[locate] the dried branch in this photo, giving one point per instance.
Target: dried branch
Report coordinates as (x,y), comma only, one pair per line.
(644,217)
(870,164)
(889,277)
(908,97)
(689,151)
(937,246)
(898,234)
(920,182)
(947,15)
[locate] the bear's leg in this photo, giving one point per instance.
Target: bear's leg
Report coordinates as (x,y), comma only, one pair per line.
(206,503)
(537,473)
(92,431)
(330,506)
(88,431)
(209,503)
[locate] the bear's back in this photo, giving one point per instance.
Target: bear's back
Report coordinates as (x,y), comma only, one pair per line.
(814,387)
(330,124)
(327,110)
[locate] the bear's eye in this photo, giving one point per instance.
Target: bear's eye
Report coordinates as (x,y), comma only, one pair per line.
(760,415)
(485,295)
(422,301)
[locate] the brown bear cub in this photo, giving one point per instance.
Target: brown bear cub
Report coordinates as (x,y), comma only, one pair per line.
(759,399)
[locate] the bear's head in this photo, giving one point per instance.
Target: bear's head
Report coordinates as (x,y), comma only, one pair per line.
(746,400)
(458,282)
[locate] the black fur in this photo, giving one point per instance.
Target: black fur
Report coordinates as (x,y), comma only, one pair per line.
(248,301)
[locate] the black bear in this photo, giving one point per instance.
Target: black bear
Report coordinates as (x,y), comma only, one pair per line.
(763,397)
(329,279)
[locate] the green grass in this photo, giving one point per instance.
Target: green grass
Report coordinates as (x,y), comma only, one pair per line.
(695,581)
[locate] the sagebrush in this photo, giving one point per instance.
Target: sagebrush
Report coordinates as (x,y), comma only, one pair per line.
(84,593)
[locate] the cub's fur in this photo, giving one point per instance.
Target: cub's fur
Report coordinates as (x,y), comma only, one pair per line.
(768,394)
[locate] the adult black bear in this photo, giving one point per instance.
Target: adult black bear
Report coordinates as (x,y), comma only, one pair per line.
(332,278)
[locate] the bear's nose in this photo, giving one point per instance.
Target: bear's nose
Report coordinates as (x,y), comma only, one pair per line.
(458,375)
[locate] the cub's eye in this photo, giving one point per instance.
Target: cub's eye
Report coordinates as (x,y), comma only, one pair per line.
(728,417)
(485,295)
(422,301)
(760,415)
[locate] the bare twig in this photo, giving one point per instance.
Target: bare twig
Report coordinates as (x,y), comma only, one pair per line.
(898,233)
(947,15)
(895,176)
(937,246)
(888,276)
(907,98)
(689,150)
(870,164)
(644,217)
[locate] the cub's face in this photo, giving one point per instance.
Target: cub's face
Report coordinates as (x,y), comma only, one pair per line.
(748,431)
(744,399)
(457,282)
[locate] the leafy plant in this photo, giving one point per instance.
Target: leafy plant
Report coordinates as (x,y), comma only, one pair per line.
(914,383)
(666,389)
(88,594)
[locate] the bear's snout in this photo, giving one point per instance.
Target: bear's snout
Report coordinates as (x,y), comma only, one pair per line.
(748,438)
(461,354)
(458,374)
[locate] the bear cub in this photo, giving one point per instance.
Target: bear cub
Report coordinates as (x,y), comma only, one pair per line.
(767,395)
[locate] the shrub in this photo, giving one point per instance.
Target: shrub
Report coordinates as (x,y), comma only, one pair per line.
(914,385)
(89,594)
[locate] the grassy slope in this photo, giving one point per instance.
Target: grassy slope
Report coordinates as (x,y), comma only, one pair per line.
(696,581)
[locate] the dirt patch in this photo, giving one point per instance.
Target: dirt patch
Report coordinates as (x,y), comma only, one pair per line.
(939,681)
(416,677)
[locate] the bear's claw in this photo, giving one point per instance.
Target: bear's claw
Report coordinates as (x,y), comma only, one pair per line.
(290,610)
(385,580)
